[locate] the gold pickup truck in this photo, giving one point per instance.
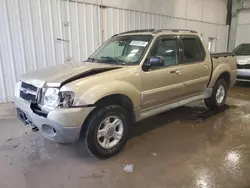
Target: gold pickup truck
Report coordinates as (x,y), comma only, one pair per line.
(132,76)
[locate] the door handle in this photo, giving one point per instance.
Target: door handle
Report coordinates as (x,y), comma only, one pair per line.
(205,67)
(172,71)
(178,71)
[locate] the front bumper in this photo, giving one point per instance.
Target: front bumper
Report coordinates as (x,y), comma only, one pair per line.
(243,75)
(60,125)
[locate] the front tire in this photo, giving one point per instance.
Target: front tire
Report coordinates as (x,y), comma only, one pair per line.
(107,131)
(219,94)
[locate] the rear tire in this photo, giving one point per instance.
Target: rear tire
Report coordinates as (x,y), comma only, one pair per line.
(107,131)
(219,95)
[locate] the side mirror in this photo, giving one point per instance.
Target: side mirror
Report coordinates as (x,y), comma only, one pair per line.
(154,62)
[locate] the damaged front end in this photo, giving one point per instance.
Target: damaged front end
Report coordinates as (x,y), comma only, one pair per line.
(51,110)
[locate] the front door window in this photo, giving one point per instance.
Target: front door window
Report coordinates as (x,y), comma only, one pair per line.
(168,50)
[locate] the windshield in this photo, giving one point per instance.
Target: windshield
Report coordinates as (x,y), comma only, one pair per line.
(243,49)
(124,50)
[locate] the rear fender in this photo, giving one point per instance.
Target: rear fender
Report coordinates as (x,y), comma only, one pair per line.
(218,71)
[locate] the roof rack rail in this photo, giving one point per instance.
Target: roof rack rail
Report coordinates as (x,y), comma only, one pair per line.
(174,30)
(138,31)
(157,31)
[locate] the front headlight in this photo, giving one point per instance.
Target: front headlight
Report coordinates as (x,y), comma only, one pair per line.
(51,97)
(54,98)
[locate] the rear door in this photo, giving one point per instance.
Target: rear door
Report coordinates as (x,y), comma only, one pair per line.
(196,66)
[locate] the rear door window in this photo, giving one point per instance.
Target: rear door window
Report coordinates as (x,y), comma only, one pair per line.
(193,50)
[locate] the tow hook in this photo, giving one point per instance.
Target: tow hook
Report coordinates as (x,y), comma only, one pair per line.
(34,129)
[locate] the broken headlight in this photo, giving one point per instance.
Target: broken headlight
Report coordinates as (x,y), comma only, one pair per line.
(67,99)
(53,97)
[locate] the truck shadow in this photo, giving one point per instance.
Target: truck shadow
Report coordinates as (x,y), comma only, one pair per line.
(240,90)
(242,84)
(184,113)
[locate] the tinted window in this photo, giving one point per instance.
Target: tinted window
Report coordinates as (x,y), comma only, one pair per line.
(243,49)
(192,50)
(166,48)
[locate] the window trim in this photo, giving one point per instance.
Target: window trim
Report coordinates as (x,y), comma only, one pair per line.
(199,44)
(176,37)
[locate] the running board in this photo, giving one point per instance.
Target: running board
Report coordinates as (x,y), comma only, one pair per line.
(158,110)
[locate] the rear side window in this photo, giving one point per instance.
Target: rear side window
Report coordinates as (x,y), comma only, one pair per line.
(193,50)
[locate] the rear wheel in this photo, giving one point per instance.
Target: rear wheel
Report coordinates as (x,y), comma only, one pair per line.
(107,131)
(219,94)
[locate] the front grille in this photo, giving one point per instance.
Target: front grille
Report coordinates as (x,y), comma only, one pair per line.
(28,92)
(247,66)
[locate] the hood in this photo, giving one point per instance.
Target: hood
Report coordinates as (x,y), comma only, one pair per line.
(59,75)
(243,60)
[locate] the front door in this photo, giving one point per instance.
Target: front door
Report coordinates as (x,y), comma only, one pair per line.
(162,85)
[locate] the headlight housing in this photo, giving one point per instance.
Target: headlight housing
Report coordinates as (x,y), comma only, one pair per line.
(67,99)
(54,98)
(51,97)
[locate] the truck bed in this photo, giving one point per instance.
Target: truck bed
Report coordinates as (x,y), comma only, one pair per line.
(228,60)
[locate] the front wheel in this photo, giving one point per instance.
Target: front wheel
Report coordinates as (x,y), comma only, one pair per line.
(219,94)
(107,131)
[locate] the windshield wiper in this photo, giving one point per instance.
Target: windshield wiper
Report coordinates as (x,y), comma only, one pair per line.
(113,59)
(91,59)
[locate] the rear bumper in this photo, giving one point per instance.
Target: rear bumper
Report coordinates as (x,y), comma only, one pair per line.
(60,125)
(243,75)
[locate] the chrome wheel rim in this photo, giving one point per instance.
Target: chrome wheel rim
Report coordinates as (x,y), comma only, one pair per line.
(220,94)
(110,132)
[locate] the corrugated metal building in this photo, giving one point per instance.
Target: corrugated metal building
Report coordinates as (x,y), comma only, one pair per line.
(240,25)
(40,33)
(243,28)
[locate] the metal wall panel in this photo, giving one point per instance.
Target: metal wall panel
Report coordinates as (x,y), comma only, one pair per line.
(243,28)
(57,24)
(222,38)
(2,83)
(243,16)
(176,23)
(246,4)
(40,33)
(209,30)
(194,25)
(242,35)
(8,59)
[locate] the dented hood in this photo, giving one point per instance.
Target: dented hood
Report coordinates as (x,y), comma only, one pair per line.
(61,74)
